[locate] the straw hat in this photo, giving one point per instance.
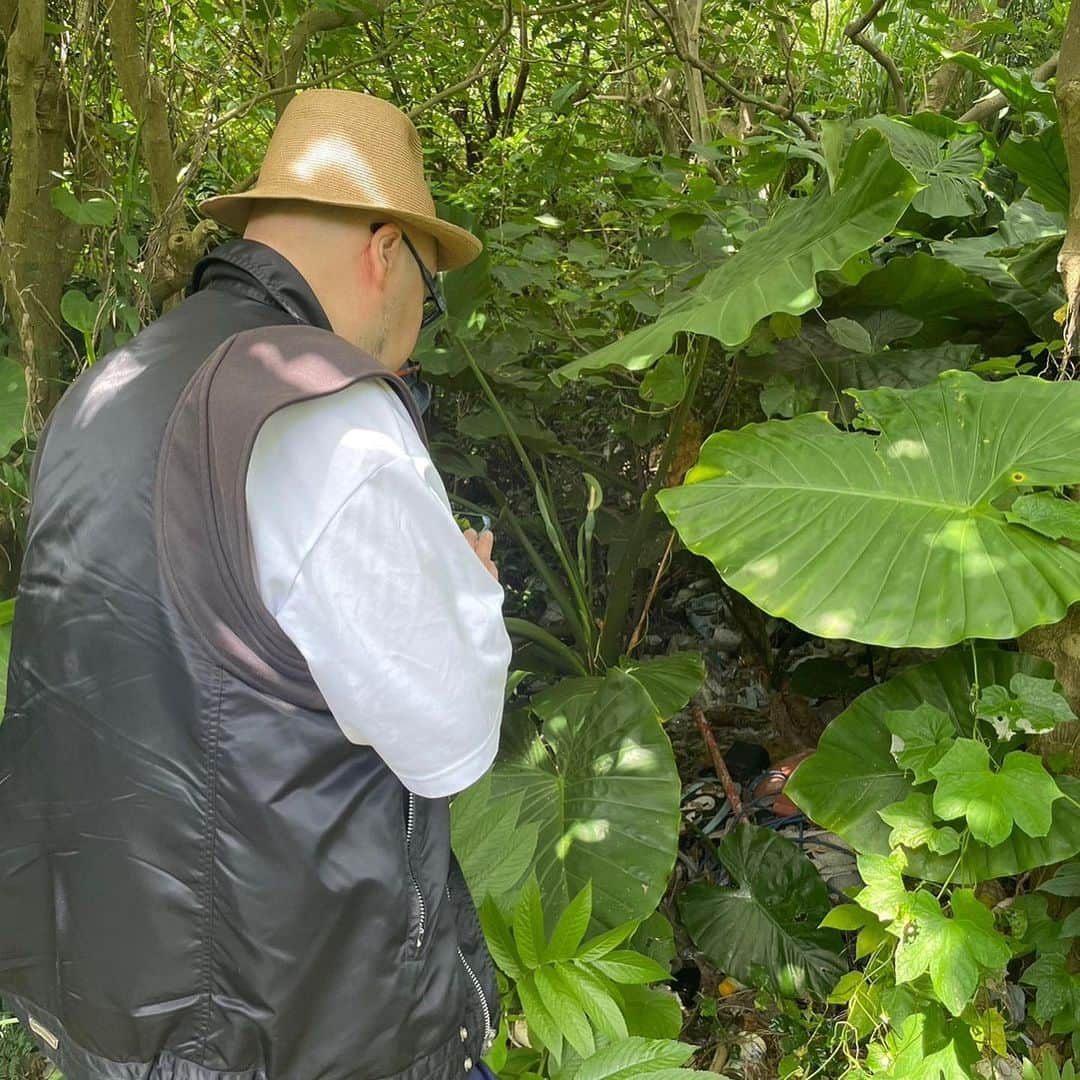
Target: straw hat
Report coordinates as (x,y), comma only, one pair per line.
(348,149)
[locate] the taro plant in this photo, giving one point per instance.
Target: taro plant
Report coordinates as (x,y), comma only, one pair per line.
(576,996)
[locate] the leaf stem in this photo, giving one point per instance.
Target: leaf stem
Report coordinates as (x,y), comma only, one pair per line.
(621,592)
(547,510)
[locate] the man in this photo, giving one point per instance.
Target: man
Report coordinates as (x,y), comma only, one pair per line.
(253,656)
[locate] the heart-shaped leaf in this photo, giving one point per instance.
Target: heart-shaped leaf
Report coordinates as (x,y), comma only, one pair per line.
(948,166)
(766,931)
(78,310)
(853,774)
(887,536)
(600,784)
(1039,161)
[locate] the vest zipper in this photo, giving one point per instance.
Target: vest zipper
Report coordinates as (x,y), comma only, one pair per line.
(416,885)
(489,1031)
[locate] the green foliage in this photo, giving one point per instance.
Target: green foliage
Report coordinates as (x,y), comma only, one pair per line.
(800,500)
(599,784)
(576,995)
(891,250)
(495,851)
(956,951)
(764,931)
(1020,794)
(855,775)
(776,267)
(19,1059)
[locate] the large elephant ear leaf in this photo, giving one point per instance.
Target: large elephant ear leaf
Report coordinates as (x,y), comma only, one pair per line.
(775,269)
(765,930)
(854,774)
(891,535)
(599,783)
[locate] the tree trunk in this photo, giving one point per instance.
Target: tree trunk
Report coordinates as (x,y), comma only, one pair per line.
(38,245)
(1060,644)
(686,16)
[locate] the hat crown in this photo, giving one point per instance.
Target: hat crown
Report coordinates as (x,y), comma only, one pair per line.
(345,148)
(340,143)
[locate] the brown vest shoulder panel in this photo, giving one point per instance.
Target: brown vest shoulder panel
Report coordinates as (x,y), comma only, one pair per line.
(201,520)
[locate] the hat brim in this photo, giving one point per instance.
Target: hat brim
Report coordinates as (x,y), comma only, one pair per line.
(456,246)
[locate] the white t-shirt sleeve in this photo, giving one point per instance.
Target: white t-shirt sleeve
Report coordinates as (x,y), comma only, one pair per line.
(400,623)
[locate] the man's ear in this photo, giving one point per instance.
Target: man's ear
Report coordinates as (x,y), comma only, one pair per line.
(381,252)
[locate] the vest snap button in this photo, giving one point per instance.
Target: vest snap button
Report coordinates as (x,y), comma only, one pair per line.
(464,1033)
(468,1064)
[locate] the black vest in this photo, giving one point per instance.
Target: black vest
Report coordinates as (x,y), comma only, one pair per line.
(200,877)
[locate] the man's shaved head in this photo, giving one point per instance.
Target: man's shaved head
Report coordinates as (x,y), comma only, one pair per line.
(368,283)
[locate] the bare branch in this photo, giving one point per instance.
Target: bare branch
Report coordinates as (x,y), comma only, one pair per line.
(312,22)
(992,104)
(474,76)
(855,31)
(146,98)
(784,112)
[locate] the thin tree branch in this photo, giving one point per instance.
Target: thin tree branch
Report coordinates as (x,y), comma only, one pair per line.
(474,76)
(784,112)
(992,104)
(146,98)
(312,22)
(855,31)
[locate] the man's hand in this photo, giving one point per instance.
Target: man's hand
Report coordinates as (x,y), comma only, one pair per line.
(481,544)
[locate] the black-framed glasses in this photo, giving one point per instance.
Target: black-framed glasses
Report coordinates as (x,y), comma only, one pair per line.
(434,306)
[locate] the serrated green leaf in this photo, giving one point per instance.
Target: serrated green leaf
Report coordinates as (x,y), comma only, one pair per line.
(913,825)
(1029,705)
(1047,514)
(1035,930)
(602,944)
(921,738)
(953,951)
(499,940)
(540,1021)
(564,1009)
(624,966)
(884,893)
(925,1049)
(529,935)
(571,927)
(636,1058)
(853,774)
(1022,792)
(493,847)
(600,1006)
(1057,990)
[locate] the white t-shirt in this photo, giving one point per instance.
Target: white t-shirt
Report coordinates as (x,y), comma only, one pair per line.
(359,558)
